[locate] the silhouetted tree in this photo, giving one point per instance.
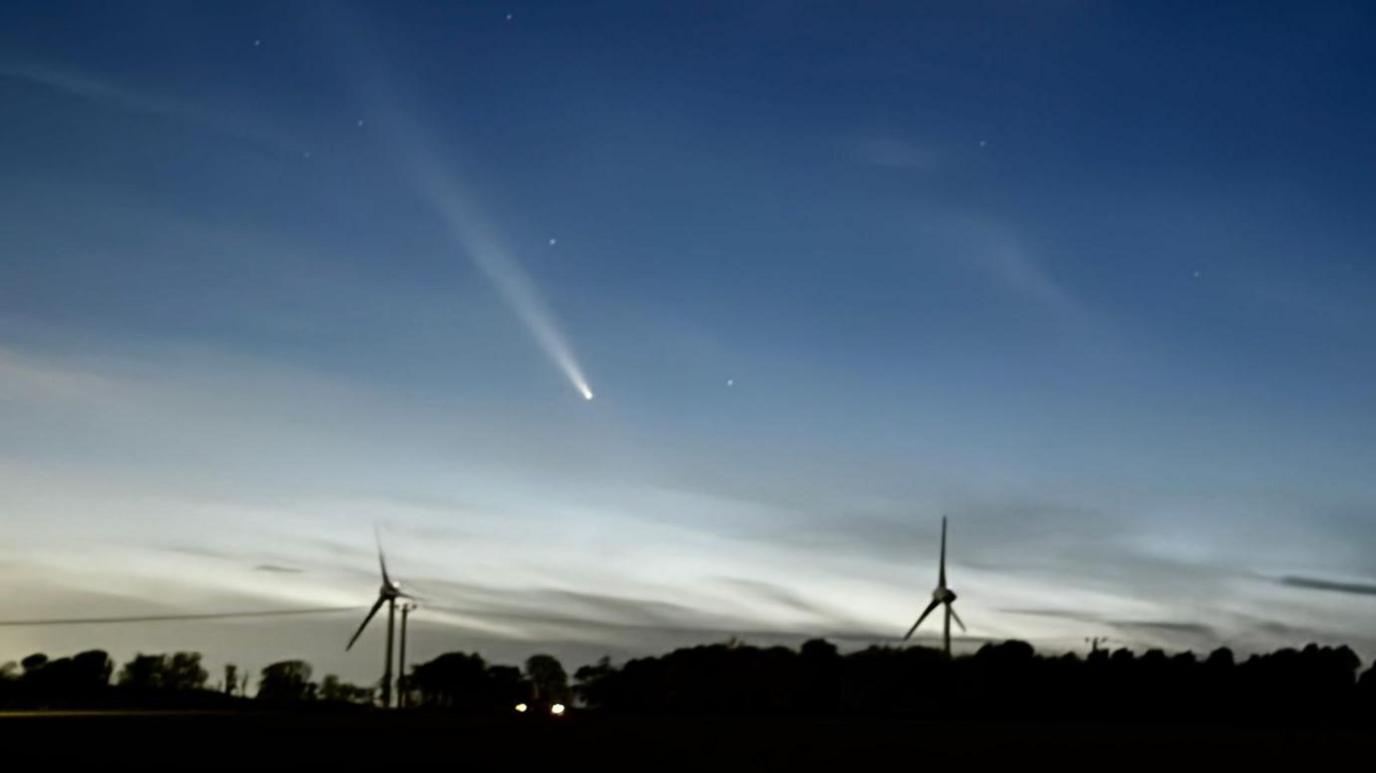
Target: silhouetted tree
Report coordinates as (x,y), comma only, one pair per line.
(34,663)
(548,680)
(184,672)
(144,672)
(507,686)
(91,669)
(332,689)
(595,684)
(1366,690)
(179,672)
(287,681)
(454,680)
(80,675)
(1221,658)
(819,677)
(463,682)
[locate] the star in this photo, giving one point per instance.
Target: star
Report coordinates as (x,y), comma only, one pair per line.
(307,154)
(730,382)
(257,43)
(1196,275)
(360,122)
(983,143)
(553,242)
(508,17)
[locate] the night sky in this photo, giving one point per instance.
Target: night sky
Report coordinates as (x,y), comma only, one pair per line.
(1095,280)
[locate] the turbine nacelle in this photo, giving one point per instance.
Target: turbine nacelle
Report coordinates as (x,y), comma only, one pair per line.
(943,595)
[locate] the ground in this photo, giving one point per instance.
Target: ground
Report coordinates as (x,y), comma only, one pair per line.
(315,739)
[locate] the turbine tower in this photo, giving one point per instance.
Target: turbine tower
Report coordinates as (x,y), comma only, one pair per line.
(942,596)
(387,594)
(402,689)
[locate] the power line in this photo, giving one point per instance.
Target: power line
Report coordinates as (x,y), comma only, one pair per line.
(174,618)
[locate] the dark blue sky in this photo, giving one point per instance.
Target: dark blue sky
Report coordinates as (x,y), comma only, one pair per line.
(1094,279)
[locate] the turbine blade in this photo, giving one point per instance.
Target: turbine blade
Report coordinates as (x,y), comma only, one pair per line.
(920,618)
(956,617)
(941,579)
(381,559)
(366,620)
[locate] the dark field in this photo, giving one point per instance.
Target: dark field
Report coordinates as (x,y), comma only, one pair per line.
(258,739)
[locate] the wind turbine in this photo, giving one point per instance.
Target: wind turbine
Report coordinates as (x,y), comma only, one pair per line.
(387,594)
(942,596)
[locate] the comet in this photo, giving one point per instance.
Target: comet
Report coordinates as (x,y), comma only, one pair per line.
(462,218)
(471,232)
(500,266)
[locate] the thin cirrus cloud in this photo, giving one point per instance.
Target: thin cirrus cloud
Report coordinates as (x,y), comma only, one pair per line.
(993,249)
(277,569)
(77,84)
(612,620)
(997,252)
(1176,632)
(1314,583)
(983,243)
(221,120)
(36,380)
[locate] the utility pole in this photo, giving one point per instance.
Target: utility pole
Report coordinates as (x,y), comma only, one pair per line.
(387,671)
(401,659)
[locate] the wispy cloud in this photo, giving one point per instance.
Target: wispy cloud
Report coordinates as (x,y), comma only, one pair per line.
(622,621)
(94,89)
(31,378)
(1230,627)
(777,594)
(1314,583)
(1172,629)
(276,569)
(230,122)
(996,251)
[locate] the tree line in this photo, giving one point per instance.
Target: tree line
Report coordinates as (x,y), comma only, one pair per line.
(1007,680)
(452,681)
